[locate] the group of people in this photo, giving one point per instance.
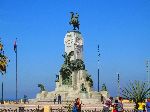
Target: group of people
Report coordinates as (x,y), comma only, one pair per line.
(77,105)
(143,107)
(57,97)
(117,106)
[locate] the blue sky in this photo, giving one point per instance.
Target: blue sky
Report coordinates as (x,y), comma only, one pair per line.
(120,27)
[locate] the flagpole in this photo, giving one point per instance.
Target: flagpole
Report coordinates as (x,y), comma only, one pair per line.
(3,69)
(2,100)
(2,93)
(16,75)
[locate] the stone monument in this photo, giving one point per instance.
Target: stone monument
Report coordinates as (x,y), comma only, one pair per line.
(73,80)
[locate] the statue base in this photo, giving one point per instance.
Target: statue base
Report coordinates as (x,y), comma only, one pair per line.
(93,97)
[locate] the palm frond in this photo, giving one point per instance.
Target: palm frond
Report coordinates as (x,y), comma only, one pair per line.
(136,91)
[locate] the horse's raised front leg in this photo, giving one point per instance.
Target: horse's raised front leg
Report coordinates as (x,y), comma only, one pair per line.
(78,27)
(74,27)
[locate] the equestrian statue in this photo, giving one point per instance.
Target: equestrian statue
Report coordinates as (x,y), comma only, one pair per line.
(74,20)
(41,86)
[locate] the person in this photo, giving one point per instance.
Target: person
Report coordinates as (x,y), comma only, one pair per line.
(120,105)
(141,106)
(102,99)
(74,109)
(78,104)
(115,106)
(55,98)
(148,105)
(59,99)
(25,99)
(107,104)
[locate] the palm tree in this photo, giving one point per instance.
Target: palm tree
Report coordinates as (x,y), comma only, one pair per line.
(137,91)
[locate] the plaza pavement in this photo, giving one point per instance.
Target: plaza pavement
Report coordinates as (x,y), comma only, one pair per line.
(127,106)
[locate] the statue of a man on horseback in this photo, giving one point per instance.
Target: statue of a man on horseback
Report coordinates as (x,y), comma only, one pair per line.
(74,20)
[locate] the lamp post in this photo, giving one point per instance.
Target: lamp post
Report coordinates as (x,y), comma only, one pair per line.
(98,67)
(148,72)
(118,75)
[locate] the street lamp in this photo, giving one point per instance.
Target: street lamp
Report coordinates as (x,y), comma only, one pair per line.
(148,71)
(98,66)
(118,80)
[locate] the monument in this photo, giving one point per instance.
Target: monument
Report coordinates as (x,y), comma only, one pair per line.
(73,80)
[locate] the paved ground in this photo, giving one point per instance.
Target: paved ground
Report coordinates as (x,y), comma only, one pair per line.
(127,106)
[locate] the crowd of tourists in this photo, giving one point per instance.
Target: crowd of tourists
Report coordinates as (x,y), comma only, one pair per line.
(117,106)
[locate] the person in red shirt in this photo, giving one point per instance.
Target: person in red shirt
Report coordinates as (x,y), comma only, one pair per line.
(115,106)
(78,104)
(120,105)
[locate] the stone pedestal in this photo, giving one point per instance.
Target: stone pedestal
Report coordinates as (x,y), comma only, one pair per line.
(42,95)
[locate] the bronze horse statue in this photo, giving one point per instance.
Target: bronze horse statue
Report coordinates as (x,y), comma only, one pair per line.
(74,21)
(41,86)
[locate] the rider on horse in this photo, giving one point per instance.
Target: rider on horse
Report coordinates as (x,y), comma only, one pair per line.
(74,20)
